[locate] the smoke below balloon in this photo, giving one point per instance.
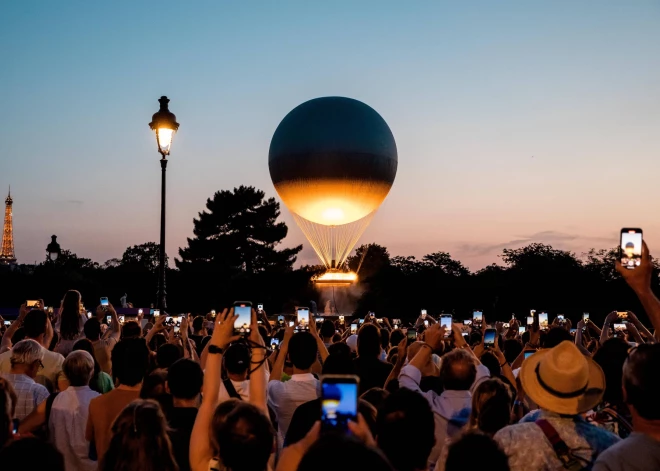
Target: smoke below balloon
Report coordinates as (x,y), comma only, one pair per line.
(345,298)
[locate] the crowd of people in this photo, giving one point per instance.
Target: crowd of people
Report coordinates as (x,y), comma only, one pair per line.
(87,393)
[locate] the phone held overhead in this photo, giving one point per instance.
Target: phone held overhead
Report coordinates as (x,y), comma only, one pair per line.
(339,402)
(242,309)
(631,247)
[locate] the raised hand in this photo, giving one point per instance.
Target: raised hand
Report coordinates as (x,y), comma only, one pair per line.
(223,333)
(435,336)
(255,335)
(639,278)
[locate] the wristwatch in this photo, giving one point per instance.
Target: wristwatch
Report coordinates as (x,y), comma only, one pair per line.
(214,349)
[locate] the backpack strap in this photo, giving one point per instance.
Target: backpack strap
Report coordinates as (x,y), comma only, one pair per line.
(559,446)
(231,390)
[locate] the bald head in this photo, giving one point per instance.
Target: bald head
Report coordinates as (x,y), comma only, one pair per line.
(458,371)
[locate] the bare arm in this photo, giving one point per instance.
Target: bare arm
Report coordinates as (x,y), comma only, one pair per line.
(158,327)
(319,341)
(639,280)
(201,451)
(605,333)
(35,420)
(402,352)
(6,344)
(578,339)
(258,395)
(278,367)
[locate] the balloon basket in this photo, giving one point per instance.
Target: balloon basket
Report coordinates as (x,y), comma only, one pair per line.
(336,278)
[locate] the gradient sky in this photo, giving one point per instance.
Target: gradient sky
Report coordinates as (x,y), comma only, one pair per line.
(515,121)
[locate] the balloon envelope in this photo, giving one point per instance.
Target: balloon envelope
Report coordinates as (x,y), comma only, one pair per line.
(333,160)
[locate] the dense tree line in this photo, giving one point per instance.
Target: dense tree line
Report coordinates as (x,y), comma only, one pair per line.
(235,253)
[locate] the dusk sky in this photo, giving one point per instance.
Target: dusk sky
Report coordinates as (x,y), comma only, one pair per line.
(516,122)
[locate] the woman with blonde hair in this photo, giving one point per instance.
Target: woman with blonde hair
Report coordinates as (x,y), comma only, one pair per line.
(492,402)
(139,440)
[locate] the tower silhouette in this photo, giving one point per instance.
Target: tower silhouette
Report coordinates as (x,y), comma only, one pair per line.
(7,256)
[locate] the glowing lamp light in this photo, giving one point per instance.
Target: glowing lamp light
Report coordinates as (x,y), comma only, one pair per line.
(163,122)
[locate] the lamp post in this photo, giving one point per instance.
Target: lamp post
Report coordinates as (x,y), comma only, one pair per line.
(164,124)
(53,249)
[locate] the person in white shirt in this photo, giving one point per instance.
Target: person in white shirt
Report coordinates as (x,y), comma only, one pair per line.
(37,327)
(460,372)
(283,398)
(67,417)
(237,365)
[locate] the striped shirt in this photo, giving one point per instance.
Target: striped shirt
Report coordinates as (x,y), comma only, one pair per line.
(30,394)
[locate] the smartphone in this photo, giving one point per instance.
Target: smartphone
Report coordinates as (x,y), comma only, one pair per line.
(446,322)
(396,327)
(260,307)
(361,321)
(477,317)
(423,314)
(521,329)
(274,342)
(380,321)
(303,316)
(319,320)
(585,316)
(140,311)
(339,402)
(341,319)
(291,323)
(560,317)
(280,320)
(426,323)
(489,337)
(242,309)
(506,325)
(411,335)
(104,302)
(396,321)
(619,327)
(573,331)
(121,319)
(622,314)
(467,322)
(529,353)
(156,312)
(465,335)
(631,247)
(353,328)
(530,320)
(108,318)
(7,322)
(89,315)
(543,320)
(32,304)
(372,314)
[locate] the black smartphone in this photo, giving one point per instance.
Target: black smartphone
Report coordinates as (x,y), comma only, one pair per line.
(477,317)
(303,318)
(631,247)
(242,309)
(489,337)
(446,322)
(104,303)
(411,335)
(260,307)
(339,402)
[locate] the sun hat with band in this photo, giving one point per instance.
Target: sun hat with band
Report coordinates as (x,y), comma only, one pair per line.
(563,380)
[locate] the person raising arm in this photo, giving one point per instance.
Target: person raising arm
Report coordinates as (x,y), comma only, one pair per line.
(639,280)
(201,451)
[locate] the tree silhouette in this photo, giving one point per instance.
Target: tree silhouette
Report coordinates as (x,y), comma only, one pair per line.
(369,259)
(239,232)
(146,256)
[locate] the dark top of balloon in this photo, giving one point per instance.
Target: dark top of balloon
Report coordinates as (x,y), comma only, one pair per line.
(333,131)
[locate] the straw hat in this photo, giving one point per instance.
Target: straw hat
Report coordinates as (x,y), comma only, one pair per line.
(563,380)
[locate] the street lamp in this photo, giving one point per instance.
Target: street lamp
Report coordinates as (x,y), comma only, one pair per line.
(164,124)
(53,249)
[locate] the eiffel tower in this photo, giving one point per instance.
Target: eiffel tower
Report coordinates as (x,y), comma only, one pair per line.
(7,256)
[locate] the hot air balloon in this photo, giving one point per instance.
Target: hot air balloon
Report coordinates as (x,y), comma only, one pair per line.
(333,161)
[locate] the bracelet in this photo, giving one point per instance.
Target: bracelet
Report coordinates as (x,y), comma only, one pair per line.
(427,345)
(502,365)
